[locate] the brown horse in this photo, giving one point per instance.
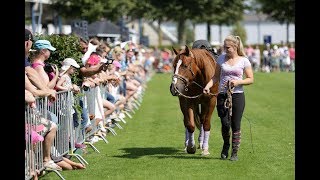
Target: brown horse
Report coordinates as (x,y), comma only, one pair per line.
(193,69)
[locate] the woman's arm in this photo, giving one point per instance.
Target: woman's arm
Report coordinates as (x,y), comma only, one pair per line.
(248,80)
(28,97)
(59,84)
(54,80)
(88,70)
(213,80)
(34,77)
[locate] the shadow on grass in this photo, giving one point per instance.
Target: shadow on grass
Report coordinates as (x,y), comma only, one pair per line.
(159,152)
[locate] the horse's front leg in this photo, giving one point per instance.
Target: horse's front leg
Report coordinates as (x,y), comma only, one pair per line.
(190,127)
(206,126)
(201,136)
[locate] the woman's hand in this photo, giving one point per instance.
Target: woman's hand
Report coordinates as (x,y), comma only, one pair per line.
(206,89)
(76,88)
(52,96)
(234,83)
(56,70)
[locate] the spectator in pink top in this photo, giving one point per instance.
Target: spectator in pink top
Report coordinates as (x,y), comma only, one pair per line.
(94,59)
(292,55)
(43,51)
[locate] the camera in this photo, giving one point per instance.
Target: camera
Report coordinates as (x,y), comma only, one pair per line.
(109,59)
(48,68)
(85,88)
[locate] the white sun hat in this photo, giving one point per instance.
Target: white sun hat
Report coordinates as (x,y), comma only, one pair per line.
(67,63)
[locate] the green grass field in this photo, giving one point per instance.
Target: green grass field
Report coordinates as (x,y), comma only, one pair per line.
(151,144)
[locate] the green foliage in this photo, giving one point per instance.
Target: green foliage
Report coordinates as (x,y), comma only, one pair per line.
(76,105)
(239,30)
(282,11)
(67,46)
(92,10)
(189,35)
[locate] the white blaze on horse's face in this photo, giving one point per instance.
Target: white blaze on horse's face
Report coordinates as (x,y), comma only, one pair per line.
(176,72)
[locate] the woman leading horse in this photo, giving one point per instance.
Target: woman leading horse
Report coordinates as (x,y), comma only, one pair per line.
(193,69)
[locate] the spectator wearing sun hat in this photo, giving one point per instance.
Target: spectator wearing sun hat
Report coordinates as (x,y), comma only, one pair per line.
(43,49)
(32,74)
(44,44)
(68,68)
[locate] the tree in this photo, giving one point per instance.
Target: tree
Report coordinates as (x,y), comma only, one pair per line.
(239,30)
(282,11)
(92,10)
(151,10)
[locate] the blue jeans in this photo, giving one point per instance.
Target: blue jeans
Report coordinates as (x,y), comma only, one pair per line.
(52,117)
(84,117)
(110,97)
(123,87)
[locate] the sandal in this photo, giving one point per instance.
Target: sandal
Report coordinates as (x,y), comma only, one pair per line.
(50,165)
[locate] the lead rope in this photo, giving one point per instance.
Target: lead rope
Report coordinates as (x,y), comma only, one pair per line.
(228,101)
(250,133)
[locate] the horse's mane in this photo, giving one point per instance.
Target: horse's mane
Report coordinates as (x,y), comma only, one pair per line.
(205,62)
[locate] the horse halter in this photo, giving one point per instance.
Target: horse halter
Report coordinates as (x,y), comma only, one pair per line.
(177,76)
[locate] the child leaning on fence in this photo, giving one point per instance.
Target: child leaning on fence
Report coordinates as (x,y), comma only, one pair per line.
(69,66)
(64,83)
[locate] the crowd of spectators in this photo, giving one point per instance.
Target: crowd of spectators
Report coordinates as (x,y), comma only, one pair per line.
(121,69)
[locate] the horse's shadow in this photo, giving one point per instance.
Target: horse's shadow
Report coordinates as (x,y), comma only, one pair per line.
(159,152)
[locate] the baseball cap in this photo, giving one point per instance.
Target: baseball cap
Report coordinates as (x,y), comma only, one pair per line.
(28,35)
(44,44)
(67,63)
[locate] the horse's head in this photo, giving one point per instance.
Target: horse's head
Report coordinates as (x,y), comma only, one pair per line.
(184,72)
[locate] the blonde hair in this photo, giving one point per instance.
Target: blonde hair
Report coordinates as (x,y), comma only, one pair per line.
(236,42)
(116,51)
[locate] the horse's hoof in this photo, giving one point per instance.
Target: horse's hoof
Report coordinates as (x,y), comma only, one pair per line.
(205,152)
(191,150)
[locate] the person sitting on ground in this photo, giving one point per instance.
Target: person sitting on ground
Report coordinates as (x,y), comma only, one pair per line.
(67,164)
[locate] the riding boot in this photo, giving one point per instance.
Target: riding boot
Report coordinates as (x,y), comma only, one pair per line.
(236,138)
(226,142)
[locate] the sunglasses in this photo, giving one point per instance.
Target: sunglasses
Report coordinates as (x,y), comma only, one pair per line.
(30,38)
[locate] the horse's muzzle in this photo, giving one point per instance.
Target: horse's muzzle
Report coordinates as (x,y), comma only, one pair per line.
(173,91)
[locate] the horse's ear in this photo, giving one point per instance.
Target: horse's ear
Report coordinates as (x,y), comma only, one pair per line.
(187,50)
(174,50)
